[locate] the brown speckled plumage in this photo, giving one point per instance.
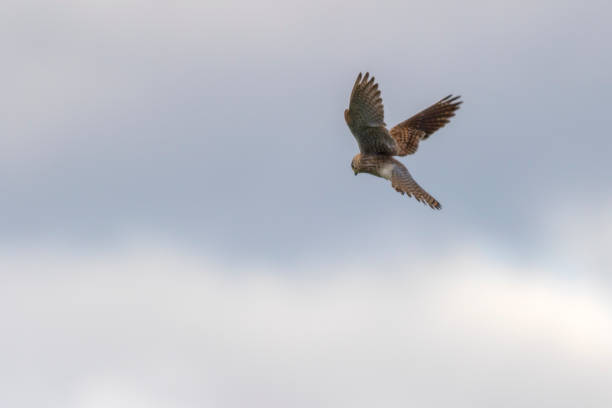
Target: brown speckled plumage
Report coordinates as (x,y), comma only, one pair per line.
(365,119)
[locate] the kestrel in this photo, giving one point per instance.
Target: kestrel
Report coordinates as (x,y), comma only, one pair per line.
(377,145)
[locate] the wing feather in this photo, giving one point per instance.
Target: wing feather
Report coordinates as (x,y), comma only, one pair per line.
(419,127)
(365,117)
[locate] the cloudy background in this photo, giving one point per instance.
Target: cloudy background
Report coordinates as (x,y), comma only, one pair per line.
(180,226)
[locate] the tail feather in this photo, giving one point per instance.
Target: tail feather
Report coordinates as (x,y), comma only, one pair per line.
(403,182)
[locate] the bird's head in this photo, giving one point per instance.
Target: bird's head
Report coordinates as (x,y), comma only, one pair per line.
(355,163)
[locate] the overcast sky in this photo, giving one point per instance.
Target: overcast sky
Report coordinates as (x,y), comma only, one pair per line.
(180,225)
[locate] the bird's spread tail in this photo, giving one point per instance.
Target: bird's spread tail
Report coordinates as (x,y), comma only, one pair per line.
(402,181)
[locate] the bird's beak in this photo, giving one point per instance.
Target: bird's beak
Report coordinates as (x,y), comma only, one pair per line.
(355,172)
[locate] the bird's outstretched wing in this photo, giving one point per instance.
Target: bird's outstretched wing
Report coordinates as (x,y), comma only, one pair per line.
(365,118)
(410,132)
(402,181)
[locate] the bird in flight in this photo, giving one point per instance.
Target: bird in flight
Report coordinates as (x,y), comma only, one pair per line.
(377,145)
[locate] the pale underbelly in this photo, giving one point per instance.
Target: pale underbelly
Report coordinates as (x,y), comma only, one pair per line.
(386,170)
